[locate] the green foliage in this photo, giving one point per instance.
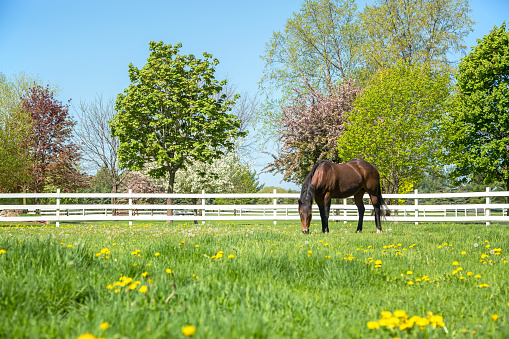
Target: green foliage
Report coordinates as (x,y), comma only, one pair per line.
(478,127)
(396,124)
(329,41)
(319,43)
(415,31)
(169,117)
(15,125)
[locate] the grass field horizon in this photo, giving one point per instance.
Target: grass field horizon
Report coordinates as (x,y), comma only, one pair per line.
(253,280)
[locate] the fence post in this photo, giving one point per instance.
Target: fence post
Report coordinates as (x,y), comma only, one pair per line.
(130,207)
(275,203)
(203,204)
(416,204)
(487,210)
(58,208)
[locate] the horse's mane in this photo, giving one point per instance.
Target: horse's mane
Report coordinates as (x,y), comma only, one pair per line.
(307,192)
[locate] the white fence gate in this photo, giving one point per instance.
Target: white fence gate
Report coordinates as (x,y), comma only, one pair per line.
(410,210)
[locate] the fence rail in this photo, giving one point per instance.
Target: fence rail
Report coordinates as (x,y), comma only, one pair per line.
(128,210)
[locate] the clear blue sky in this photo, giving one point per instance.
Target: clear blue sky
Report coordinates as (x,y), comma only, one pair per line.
(85,47)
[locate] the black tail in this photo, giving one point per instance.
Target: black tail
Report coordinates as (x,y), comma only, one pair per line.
(384,209)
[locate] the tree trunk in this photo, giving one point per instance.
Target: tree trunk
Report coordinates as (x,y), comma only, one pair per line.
(113,190)
(169,201)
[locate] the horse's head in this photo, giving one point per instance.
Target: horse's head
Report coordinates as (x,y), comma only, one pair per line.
(305,212)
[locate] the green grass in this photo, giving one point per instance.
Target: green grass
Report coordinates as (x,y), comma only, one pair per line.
(54,281)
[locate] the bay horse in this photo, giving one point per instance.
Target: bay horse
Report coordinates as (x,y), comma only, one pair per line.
(327,181)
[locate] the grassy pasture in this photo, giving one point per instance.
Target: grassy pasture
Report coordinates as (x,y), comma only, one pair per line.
(270,281)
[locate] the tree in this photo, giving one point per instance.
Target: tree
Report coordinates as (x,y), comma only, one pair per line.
(54,158)
(169,117)
(100,148)
(245,110)
(396,124)
(15,126)
(226,174)
(415,31)
(478,126)
(319,43)
(310,128)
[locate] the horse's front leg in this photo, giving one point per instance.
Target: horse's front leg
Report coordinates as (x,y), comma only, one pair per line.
(360,207)
(324,207)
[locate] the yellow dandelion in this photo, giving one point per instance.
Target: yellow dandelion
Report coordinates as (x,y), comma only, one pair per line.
(157,254)
(494,317)
(231,256)
(69,245)
(373,325)
(410,282)
(87,336)
(409,272)
(197,245)
(104,326)
(455,263)
(188,330)
(386,314)
(144,274)
(400,314)
(143,289)
(168,271)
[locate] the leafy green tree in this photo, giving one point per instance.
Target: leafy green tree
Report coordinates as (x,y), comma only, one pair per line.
(319,43)
(478,126)
(395,124)
(415,31)
(15,127)
(169,116)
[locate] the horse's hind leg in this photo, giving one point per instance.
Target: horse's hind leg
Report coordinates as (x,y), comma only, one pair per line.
(376,206)
(360,207)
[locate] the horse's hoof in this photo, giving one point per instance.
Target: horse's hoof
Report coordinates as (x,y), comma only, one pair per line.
(358,231)
(305,231)
(378,231)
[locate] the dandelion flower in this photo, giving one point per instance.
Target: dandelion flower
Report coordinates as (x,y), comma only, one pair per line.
(188,330)
(87,336)
(373,325)
(455,263)
(104,326)
(157,254)
(168,271)
(386,314)
(409,272)
(143,289)
(144,274)
(410,282)
(231,256)
(2,251)
(400,314)
(494,317)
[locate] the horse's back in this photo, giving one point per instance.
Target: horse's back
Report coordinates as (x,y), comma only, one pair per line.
(346,179)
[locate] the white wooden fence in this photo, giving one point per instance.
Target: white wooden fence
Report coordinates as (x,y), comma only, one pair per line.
(411,210)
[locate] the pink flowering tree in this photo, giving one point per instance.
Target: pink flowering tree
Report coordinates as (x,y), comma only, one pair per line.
(310,127)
